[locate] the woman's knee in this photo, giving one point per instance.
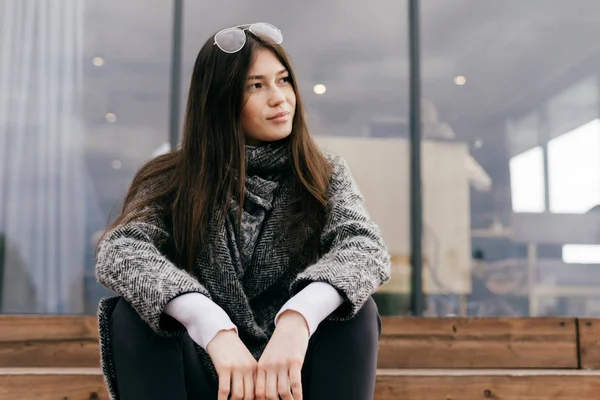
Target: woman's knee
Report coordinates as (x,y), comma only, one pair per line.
(124,316)
(363,329)
(129,331)
(369,310)
(368,319)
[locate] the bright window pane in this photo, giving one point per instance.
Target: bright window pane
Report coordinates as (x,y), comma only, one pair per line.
(581,254)
(573,169)
(527,181)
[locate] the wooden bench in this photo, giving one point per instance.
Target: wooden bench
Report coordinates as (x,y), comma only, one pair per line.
(443,384)
(47,357)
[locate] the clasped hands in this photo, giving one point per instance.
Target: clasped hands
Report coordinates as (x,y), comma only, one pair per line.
(278,372)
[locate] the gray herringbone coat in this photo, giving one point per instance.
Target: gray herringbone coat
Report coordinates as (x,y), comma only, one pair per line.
(354,260)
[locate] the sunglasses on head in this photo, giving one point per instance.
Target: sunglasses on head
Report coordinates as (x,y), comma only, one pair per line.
(232,40)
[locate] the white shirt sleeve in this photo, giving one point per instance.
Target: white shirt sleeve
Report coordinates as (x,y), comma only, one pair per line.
(315,302)
(201,316)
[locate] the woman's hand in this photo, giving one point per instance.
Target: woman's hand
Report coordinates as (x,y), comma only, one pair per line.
(235,366)
(280,367)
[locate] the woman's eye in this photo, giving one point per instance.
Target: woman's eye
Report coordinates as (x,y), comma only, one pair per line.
(286,79)
(256,85)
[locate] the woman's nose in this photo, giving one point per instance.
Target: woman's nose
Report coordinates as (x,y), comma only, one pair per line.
(277,97)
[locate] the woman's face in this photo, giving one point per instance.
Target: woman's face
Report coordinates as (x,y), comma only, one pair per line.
(269,100)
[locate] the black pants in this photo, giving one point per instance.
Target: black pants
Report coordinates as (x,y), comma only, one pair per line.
(340,363)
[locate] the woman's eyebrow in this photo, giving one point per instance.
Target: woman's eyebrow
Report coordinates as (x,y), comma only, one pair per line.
(283,71)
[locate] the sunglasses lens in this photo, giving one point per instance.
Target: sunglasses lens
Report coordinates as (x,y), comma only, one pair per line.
(267,32)
(230,40)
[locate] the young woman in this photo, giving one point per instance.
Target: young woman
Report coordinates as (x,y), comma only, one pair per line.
(244,261)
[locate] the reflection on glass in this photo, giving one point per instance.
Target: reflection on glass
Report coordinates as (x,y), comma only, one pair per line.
(527,181)
(574,169)
(74,127)
(42,174)
(581,254)
(529,116)
(574,106)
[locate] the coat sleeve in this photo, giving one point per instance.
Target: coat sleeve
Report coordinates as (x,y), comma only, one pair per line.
(354,258)
(131,262)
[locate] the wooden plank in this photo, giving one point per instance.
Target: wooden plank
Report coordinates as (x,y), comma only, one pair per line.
(589,342)
(41,327)
(48,385)
(82,384)
(502,385)
(56,341)
(50,353)
(49,341)
(478,343)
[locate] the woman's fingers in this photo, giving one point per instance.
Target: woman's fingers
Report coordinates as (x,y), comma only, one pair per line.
(249,385)
(237,385)
(283,384)
(271,384)
(224,384)
(296,380)
(260,384)
(235,366)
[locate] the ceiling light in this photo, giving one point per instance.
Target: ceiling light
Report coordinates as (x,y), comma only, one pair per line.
(460,80)
(111,118)
(320,89)
(116,164)
(98,61)
(478,143)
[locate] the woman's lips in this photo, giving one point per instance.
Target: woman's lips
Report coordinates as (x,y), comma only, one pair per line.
(280,117)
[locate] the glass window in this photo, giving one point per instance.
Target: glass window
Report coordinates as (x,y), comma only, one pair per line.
(83,103)
(574,169)
(352,65)
(517,90)
(527,181)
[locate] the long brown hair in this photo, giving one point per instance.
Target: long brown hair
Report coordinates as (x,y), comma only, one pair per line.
(201,177)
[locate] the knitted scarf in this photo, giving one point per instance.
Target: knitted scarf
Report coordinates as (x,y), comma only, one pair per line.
(265,168)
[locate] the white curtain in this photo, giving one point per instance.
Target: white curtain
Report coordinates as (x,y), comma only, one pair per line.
(42,214)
